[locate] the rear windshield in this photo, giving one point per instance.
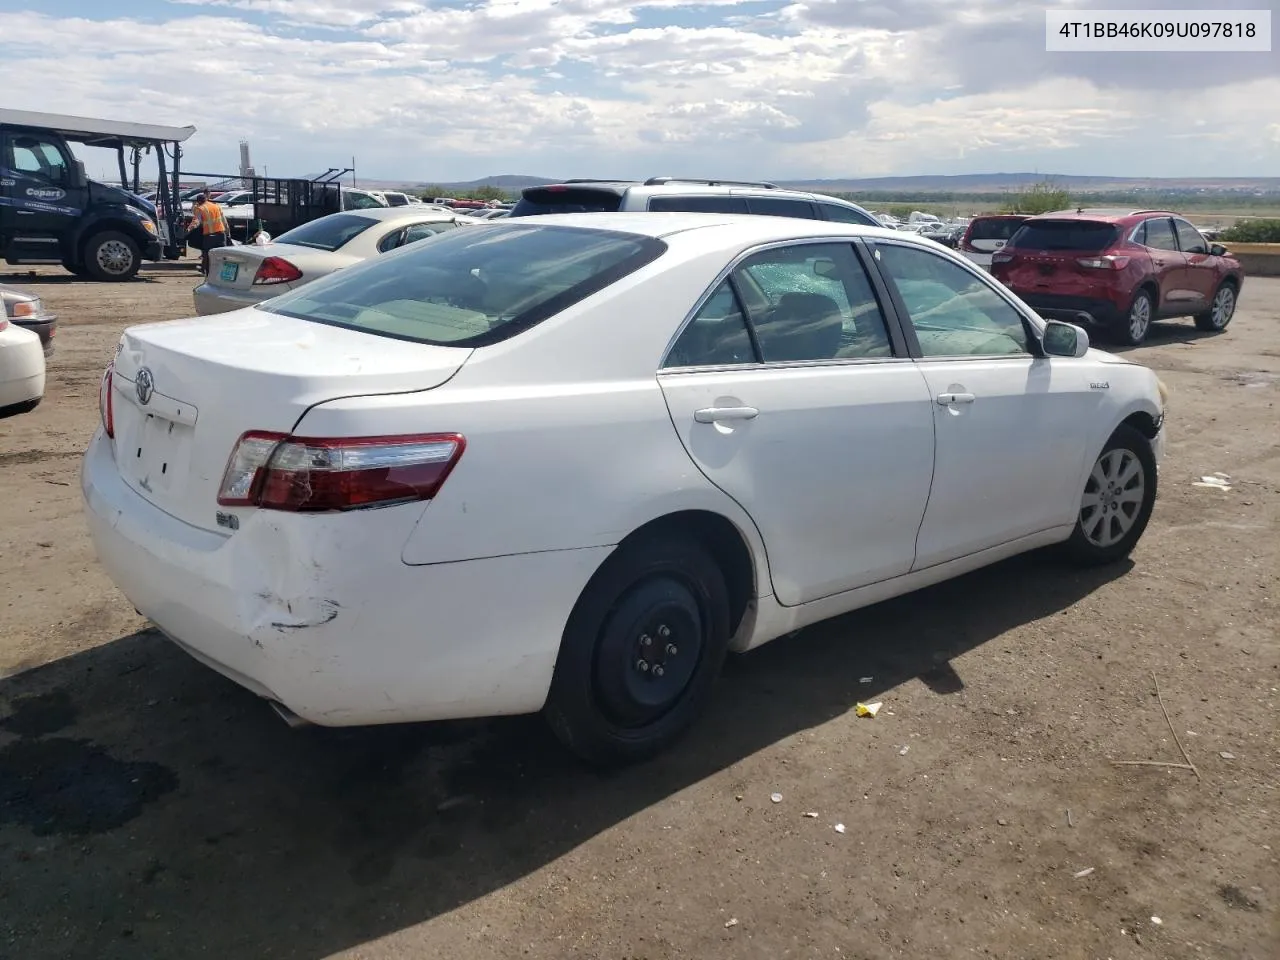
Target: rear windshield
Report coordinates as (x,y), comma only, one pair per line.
(328,233)
(994,229)
(544,200)
(473,287)
(1084,235)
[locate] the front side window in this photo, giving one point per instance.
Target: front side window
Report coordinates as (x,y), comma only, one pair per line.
(39,158)
(1190,239)
(779,207)
(472,287)
(953,312)
(837,213)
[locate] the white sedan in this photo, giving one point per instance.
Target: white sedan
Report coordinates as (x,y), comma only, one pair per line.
(247,274)
(22,370)
(567,465)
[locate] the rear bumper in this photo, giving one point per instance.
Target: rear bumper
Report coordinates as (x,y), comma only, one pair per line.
(1094,310)
(319,612)
(210,299)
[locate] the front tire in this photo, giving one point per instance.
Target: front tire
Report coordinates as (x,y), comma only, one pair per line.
(1117,501)
(112,256)
(1133,327)
(1221,309)
(641,651)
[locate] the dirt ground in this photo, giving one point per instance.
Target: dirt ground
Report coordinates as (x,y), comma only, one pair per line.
(149,808)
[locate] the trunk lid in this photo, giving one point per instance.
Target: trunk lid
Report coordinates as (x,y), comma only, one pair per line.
(211,379)
(233,268)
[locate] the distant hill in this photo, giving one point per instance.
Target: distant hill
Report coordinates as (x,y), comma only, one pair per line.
(969,183)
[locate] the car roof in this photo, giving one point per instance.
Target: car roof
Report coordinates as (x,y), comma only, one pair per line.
(1106,215)
(677,185)
(749,228)
(416,212)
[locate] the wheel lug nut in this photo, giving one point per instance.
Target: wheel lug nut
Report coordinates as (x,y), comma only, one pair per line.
(671,650)
(657,671)
(645,640)
(664,631)
(642,666)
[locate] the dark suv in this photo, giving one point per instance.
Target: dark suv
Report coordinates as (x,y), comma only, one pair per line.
(1120,271)
(677,195)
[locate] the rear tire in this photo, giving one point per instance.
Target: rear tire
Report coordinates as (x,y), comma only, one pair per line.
(112,256)
(1116,502)
(1221,309)
(1132,329)
(641,651)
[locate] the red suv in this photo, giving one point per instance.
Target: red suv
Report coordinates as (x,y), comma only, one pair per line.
(1120,271)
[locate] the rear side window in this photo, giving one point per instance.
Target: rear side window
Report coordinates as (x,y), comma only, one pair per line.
(328,233)
(473,287)
(779,207)
(720,204)
(1088,236)
(993,228)
(545,200)
(1157,234)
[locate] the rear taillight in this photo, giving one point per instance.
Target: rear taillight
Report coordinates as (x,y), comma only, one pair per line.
(276,270)
(279,472)
(106,407)
(1110,262)
(3,323)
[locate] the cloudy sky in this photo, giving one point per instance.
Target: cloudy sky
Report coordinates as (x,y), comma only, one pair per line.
(459,89)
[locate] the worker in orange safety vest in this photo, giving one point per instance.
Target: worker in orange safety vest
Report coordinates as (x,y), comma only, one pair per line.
(207,215)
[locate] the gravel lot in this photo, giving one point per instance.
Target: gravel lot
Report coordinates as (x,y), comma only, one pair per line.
(149,808)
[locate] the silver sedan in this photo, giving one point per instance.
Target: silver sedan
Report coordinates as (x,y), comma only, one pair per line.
(241,276)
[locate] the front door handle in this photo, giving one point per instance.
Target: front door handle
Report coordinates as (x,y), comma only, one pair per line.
(948,399)
(713,414)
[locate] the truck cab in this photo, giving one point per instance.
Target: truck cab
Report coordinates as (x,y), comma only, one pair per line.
(51,212)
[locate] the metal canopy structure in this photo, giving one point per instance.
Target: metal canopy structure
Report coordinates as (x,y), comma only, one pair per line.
(113,134)
(119,135)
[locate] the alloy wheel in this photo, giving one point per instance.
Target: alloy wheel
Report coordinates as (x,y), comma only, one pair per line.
(1113,497)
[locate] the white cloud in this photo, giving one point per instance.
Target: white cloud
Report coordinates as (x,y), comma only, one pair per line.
(584,87)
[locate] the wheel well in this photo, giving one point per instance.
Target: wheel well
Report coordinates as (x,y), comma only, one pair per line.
(1144,423)
(1231,280)
(1152,288)
(725,544)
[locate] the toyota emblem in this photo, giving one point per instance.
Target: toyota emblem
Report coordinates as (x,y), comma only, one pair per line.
(144,384)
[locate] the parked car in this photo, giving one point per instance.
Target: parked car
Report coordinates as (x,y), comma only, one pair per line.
(27,311)
(240,276)
(947,234)
(21,369)
(566,463)
(395,198)
(985,235)
(1120,271)
(675,195)
(353,199)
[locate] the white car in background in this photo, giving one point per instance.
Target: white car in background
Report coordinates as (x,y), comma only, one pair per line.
(568,462)
(22,370)
(243,275)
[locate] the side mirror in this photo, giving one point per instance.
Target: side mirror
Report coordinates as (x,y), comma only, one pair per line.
(81,177)
(1217,250)
(1065,339)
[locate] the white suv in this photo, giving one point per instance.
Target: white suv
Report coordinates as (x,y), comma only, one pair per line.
(683,195)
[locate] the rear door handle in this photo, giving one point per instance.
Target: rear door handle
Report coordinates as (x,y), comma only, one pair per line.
(948,399)
(713,414)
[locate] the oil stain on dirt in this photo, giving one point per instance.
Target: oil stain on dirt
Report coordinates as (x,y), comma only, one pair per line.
(58,785)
